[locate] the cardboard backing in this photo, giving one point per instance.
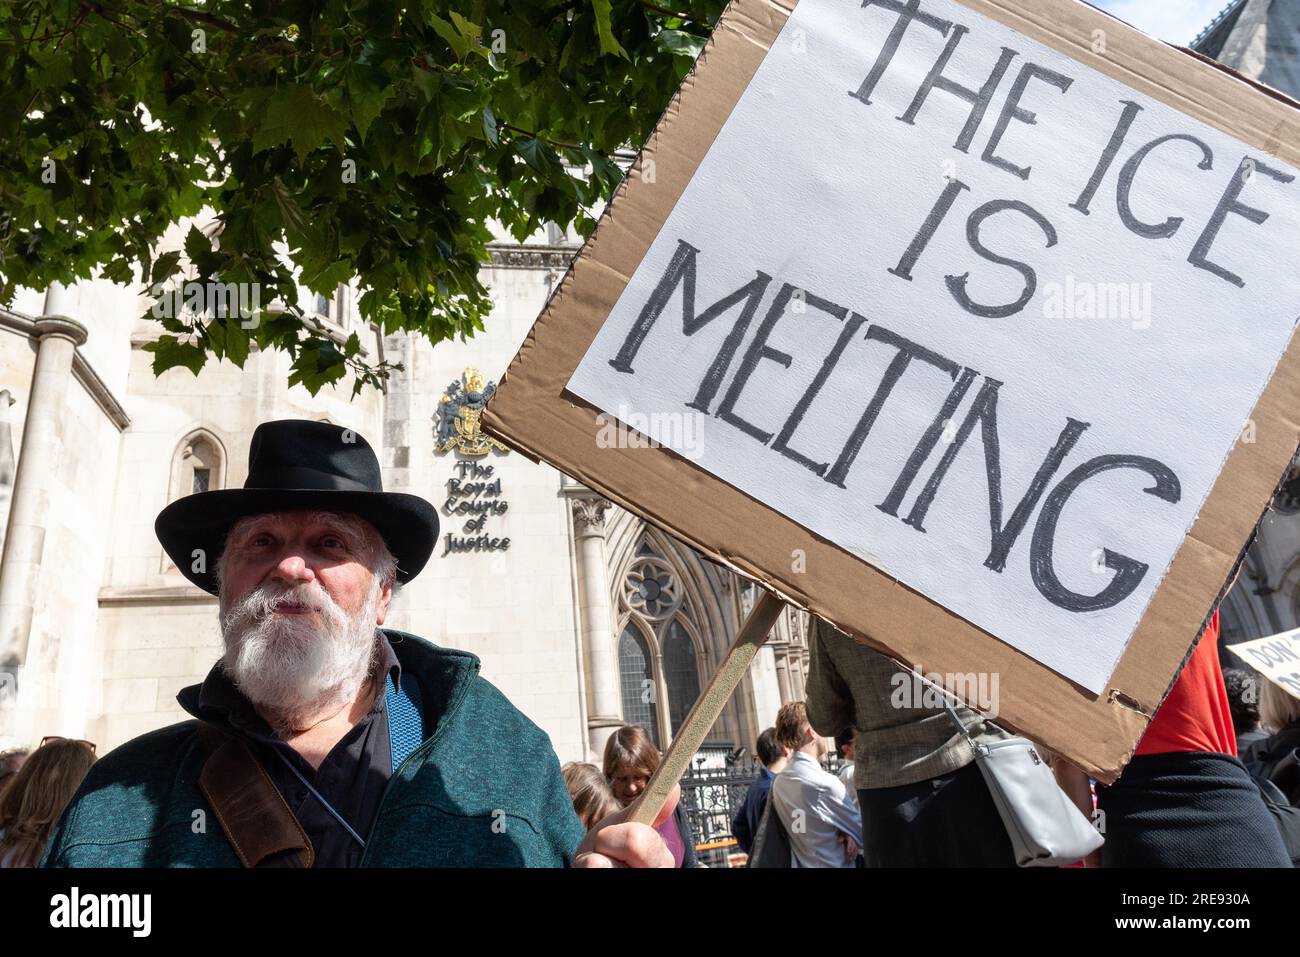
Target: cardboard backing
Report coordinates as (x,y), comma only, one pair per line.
(532,413)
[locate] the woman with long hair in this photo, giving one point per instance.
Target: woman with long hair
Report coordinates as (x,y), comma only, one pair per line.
(630,759)
(33,800)
(593,799)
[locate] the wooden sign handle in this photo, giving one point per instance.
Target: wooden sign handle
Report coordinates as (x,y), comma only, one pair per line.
(708,707)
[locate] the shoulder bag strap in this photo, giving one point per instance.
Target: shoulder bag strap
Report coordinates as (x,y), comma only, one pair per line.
(252,812)
(952,712)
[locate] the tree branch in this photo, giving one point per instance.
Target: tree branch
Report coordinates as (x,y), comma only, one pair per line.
(554,144)
(200,16)
(668,13)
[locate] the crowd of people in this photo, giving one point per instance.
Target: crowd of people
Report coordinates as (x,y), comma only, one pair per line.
(1214,782)
(361,745)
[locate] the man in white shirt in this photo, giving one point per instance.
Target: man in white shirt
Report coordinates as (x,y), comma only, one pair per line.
(812,805)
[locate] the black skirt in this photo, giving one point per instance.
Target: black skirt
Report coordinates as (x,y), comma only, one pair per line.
(947,821)
(1187,810)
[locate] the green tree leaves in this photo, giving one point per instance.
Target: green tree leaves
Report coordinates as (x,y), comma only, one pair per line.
(605,28)
(373,139)
(300,117)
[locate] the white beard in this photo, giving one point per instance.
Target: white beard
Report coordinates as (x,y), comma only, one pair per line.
(291,668)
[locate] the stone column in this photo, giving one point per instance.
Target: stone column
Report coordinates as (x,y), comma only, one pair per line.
(660,703)
(605,707)
(57,338)
(782,675)
(8,461)
(797,684)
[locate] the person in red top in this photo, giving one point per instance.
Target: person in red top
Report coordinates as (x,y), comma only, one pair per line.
(1185,800)
(1195,715)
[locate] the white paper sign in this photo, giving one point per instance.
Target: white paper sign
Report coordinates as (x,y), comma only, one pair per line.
(1276,657)
(926,255)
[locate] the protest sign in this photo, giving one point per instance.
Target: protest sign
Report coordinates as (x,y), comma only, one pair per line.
(967,326)
(1276,657)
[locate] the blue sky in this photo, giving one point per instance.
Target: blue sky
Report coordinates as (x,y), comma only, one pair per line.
(1176,21)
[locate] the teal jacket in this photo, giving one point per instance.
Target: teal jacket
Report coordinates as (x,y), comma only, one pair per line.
(484,790)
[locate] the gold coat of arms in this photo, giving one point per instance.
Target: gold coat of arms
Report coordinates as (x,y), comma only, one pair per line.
(458,417)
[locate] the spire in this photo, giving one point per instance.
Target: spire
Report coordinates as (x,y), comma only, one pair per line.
(1259,39)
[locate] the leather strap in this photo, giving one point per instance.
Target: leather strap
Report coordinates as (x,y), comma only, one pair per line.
(252,813)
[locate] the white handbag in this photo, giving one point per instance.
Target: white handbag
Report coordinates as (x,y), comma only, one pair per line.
(1045,827)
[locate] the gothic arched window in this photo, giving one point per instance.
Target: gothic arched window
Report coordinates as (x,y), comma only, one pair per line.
(681,673)
(659,666)
(636,681)
(201,466)
(198,465)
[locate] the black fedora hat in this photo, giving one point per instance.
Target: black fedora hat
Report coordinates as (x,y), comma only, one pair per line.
(298,464)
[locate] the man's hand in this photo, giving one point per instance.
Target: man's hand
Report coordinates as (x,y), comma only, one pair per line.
(616,843)
(851,849)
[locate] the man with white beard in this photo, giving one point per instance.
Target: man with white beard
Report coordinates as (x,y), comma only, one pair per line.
(323,739)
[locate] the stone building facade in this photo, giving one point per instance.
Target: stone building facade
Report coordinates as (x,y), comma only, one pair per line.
(586,619)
